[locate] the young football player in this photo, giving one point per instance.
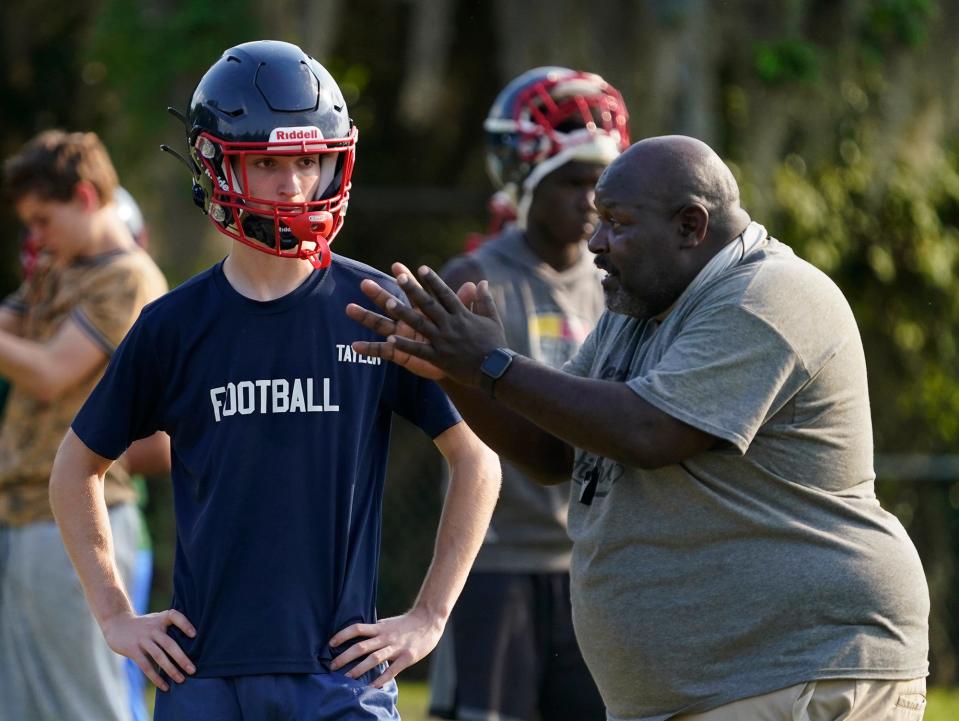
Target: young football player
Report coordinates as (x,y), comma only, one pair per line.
(279,432)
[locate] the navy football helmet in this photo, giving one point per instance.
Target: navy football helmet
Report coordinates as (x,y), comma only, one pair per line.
(270,98)
(545,118)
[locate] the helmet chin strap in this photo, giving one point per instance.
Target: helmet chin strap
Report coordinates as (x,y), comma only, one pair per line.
(313,227)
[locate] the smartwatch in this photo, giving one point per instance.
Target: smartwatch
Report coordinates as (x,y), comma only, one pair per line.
(494,367)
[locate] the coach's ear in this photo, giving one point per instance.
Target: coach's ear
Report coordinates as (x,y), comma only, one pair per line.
(693,223)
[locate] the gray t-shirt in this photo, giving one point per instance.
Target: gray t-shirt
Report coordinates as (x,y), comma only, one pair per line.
(766,561)
(547,315)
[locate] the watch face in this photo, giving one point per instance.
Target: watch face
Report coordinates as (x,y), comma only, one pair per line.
(496,363)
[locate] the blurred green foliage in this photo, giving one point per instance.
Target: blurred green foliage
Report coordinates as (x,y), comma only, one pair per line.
(129,39)
(885,232)
(889,24)
(787,61)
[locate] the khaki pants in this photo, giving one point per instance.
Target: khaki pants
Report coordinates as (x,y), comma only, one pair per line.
(836,700)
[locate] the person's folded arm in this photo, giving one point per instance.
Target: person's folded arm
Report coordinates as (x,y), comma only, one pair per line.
(48,370)
(11,321)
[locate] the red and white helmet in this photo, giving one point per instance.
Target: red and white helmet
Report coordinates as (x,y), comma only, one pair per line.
(546,118)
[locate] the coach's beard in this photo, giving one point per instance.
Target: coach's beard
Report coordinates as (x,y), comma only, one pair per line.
(619,300)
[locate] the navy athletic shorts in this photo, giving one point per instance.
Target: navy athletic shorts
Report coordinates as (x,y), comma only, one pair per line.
(277,697)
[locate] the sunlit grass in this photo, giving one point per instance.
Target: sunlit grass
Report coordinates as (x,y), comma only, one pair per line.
(943,705)
(414,698)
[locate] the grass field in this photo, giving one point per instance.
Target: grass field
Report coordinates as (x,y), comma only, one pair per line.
(414,697)
(943,703)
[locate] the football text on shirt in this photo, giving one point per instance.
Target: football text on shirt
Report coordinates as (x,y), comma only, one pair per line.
(276,395)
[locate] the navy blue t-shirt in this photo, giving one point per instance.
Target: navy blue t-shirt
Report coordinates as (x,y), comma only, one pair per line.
(280,435)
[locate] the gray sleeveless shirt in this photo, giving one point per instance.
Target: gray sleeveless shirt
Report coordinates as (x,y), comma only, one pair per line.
(547,315)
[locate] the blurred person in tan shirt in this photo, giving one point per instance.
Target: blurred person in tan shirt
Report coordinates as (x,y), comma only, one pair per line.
(57,332)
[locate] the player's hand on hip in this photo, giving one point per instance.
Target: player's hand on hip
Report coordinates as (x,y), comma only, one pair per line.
(400,640)
(144,639)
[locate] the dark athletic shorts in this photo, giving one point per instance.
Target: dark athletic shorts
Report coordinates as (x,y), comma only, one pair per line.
(272,697)
(509,654)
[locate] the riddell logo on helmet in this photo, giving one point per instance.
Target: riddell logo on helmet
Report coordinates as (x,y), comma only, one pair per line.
(308,132)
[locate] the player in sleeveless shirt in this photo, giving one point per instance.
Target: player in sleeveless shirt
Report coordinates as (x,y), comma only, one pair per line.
(509,649)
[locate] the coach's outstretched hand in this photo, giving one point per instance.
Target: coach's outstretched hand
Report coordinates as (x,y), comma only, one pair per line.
(442,334)
(400,640)
(144,639)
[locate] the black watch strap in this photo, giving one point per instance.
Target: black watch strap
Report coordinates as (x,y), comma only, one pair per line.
(493,368)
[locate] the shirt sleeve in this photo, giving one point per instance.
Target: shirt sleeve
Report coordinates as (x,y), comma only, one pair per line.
(16,301)
(726,373)
(125,404)
(111,299)
(423,403)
